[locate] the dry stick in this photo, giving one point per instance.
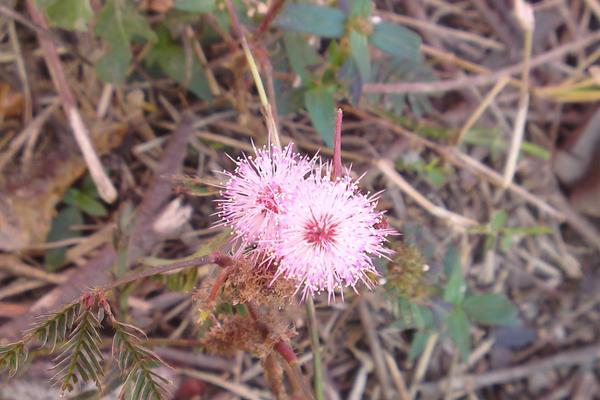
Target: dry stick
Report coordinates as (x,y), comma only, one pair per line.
(105,187)
(375,346)
(269,116)
(585,356)
(423,364)
(484,79)
(594,6)
(463,161)
(482,107)
(213,85)
(14,41)
(443,31)
(525,18)
(454,220)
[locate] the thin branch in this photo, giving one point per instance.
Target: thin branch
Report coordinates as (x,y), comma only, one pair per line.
(525,16)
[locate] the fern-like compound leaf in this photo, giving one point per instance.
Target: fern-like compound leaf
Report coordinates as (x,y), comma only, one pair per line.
(81,358)
(53,328)
(137,361)
(12,356)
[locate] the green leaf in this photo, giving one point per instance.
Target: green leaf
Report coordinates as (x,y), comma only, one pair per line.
(60,230)
(436,177)
(529,230)
(119,23)
(321,109)
(112,67)
(418,344)
(361,8)
(490,309)
(360,54)
(413,315)
(199,6)
(310,18)
(454,291)
(85,203)
(171,59)
(72,15)
(498,220)
(81,358)
(458,328)
(300,54)
(396,40)
(505,241)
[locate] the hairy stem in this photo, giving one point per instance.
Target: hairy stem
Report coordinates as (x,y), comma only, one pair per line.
(314,344)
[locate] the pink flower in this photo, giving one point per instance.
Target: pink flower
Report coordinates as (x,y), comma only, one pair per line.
(329,234)
(260,191)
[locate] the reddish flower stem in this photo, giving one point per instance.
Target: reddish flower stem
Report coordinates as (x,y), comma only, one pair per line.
(337,146)
(273,11)
(221,279)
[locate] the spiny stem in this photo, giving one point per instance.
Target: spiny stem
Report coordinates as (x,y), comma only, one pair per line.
(314,344)
(268,110)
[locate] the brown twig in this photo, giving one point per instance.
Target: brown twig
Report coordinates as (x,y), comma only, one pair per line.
(586,355)
(375,346)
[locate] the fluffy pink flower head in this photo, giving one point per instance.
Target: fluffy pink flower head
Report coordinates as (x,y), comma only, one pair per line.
(329,235)
(260,191)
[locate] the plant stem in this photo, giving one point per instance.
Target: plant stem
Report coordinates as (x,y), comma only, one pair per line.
(314,344)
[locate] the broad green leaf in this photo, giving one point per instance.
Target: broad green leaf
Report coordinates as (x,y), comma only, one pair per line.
(454,291)
(498,220)
(321,109)
(118,23)
(458,328)
(396,40)
(360,54)
(360,8)
(418,344)
(85,203)
(300,54)
(490,309)
(311,18)
(199,6)
(73,15)
(60,230)
(171,59)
